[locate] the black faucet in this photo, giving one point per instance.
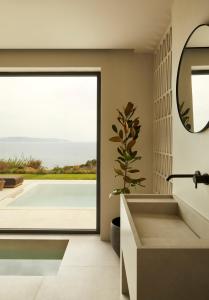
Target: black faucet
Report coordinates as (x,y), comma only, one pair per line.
(197,177)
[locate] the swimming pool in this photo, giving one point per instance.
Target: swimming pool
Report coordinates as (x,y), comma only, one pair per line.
(75,195)
(31,257)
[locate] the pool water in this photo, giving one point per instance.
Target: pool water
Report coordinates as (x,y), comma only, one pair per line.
(31,257)
(29,267)
(58,195)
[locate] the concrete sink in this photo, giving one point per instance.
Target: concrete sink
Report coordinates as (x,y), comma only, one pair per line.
(164,249)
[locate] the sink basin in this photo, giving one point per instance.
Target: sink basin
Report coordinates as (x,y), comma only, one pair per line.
(164,249)
(160,224)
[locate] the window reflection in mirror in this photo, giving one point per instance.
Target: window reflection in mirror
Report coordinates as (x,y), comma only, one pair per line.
(200,96)
(193,81)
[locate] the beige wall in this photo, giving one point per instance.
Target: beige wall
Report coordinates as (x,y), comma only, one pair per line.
(190,150)
(126,76)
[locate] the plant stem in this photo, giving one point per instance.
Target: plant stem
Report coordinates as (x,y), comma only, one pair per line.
(126,163)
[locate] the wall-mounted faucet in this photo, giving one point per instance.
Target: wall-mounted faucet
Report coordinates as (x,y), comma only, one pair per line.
(197,177)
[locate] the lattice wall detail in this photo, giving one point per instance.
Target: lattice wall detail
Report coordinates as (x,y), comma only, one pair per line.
(162,123)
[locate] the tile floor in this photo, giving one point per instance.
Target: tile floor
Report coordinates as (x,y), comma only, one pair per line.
(89,270)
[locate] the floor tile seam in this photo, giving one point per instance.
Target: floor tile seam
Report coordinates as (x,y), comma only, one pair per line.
(38,288)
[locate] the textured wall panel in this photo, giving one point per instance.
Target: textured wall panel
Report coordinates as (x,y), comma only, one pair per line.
(162,123)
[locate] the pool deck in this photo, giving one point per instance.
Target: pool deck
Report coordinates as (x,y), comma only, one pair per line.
(43,218)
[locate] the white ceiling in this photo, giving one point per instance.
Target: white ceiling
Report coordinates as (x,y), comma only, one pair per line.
(83,24)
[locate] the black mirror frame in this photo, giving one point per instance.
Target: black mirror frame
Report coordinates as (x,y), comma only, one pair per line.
(177,80)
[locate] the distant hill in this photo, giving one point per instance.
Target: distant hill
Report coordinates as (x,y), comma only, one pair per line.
(52,152)
(32,140)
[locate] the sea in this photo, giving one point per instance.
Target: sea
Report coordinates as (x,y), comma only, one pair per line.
(51,154)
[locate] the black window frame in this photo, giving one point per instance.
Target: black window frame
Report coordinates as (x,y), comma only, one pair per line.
(96,74)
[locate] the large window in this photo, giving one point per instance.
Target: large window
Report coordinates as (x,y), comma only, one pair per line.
(49,135)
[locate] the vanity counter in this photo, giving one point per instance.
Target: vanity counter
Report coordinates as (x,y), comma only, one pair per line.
(163,255)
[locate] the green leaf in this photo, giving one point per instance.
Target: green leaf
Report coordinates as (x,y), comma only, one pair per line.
(133,111)
(133,132)
(133,171)
(133,154)
(115,139)
(188,127)
(185,112)
(123,166)
(135,122)
(140,180)
(129,108)
(137,128)
(120,158)
(134,181)
(127,156)
(181,106)
(126,128)
(129,179)
(121,115)
(120,120)
(131,144)
(130,122)
(129,136)
(185,119)
(125,140)
(118,172)
(120,151)
(136,119)
(135,159)
(114,128)
(121,134)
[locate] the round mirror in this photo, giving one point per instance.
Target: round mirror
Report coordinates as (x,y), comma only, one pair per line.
(193,81)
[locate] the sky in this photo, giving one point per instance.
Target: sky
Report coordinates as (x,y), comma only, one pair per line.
(49,107)
(200,95)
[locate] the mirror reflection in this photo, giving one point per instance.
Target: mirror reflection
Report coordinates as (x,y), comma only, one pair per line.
(193,81)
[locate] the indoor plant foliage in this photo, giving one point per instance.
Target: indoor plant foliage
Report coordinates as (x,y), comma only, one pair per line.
(184,113)
(127,133)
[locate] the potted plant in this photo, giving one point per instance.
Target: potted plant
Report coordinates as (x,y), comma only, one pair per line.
(126,135)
